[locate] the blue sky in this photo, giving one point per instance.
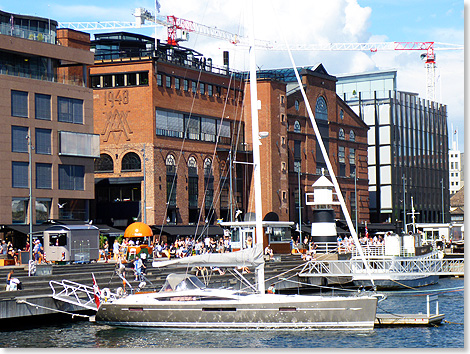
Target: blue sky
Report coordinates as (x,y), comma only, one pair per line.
(305,22)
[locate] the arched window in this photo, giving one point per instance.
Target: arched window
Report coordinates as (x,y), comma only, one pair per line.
(104,164)
(297,127)
(352,136)
(171,186)
(170,164)
(207,167)
(192,190)
(341,114)
(192,166)
(321,111)
(341,134)
(131,162)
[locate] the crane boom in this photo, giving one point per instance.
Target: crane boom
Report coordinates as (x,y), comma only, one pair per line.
(178,28)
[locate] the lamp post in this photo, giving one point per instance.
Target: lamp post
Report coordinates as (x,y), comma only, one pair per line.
(404,204)
(442,198)
(30,177)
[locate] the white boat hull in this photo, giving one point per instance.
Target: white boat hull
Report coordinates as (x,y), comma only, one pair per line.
(247,312)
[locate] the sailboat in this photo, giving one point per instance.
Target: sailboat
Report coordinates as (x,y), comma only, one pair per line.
(185,302)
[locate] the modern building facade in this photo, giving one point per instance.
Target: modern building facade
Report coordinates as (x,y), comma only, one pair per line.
(175,138)
(408,149)
(47,147)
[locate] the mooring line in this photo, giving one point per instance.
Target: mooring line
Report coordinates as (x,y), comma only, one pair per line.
(51,309)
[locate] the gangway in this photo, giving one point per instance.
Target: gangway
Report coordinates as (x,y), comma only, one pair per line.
(383,267)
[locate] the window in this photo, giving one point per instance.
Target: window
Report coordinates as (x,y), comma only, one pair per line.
(70,110)
(341,134)
(19,141)
(321,111)
(171,180)
(177,83)
(283,118)
(79,144)
(19,104)
(95,81)
(58,239)
(193,86)
(131,162)
(342,161)
(341,156)
(202,88)
(341,114)
(132,79)
(208,132)
(297,105)
(144,78)
(108,80)
(207,167)
(18,210)
(19,174)
(43,141)
(192,183)
(297,127)
(279,234)
(210,90)
(352,136)
(208,185)
(43,209)
(168,81)
(72,177)
(43,175)
(186,85)
(42,105)
(119,80)
(159,80)
(104,163)
(193,126)
(282,99)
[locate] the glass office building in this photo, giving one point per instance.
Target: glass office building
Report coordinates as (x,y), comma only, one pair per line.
(407,149)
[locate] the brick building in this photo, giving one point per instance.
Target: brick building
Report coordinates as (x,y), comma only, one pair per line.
(47,120)
(167,106)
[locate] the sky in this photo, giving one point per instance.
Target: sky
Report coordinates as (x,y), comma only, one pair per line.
(303,22)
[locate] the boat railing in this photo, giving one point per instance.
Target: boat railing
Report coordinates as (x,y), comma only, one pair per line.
(75,293)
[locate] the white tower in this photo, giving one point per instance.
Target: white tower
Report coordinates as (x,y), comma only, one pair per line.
(323,225)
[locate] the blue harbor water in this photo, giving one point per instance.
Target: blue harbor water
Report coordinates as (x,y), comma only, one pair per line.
(450,334)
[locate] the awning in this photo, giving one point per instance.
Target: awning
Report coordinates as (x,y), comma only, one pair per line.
(24,229)
(188,230)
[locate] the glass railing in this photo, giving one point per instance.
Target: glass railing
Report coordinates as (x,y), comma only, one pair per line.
(16,31)
(41,75)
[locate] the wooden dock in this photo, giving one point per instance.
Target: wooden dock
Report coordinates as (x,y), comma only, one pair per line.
(388,320)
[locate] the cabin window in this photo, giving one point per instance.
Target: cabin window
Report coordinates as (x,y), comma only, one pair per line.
(58,239)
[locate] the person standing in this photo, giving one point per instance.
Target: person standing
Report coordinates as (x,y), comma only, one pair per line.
(106,251)
(116,250)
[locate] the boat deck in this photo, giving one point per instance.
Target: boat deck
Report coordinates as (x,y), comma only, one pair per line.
(388,320)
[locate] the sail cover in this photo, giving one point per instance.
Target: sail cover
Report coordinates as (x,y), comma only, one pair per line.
(247,257)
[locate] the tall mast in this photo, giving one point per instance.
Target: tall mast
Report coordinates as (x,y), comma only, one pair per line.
(256,144)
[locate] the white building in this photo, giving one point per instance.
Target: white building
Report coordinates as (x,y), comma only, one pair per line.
(455,166)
